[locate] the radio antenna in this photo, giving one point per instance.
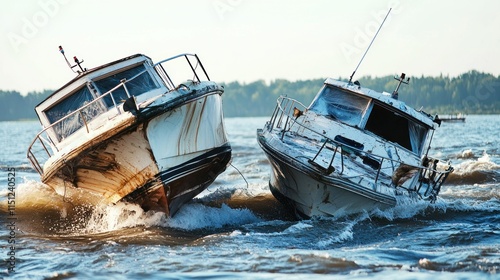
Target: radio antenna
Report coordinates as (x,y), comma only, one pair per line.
(380,27)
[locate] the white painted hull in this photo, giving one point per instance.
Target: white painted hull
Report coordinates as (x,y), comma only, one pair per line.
(308,192)
(338,156)
(161,162)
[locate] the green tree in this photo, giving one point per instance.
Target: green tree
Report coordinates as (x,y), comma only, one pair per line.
(470,93)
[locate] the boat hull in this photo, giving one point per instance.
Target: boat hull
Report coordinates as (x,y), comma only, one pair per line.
(161,162)
(308,192)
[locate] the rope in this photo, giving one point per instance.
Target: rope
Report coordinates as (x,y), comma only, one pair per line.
(240,174)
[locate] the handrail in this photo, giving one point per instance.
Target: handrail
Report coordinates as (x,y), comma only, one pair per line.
(284,107)
(39,138)
(31,156)
(164,75)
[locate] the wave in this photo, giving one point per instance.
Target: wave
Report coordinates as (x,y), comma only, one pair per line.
(32,195)
(466,154)
(42,210)
(24,167)
(198,216)
(54,214)
(191,217)
(480,171)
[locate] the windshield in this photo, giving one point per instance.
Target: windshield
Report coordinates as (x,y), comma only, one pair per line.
(139,85)
(69,105)
(341,105)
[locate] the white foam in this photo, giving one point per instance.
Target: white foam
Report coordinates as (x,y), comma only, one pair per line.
(467,154)
(468,205)
(407,208)
(190,217)
(122,215)
(344,235)
(31,194)
(483,163)
(198,216)
(298,227)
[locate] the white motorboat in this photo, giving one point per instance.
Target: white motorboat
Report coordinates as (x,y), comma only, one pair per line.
(352,150)
(133,130)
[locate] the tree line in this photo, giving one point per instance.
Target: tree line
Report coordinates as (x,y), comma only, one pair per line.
(14,106)
(469,93)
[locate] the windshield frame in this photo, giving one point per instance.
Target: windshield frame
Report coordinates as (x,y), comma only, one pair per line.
(337,104)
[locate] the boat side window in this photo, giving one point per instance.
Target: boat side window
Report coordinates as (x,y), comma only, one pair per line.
(138,81)
(340,105)
(396,128)
(70,105)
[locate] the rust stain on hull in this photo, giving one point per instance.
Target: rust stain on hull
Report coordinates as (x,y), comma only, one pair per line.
(111,169)
(120,164)
(181,183)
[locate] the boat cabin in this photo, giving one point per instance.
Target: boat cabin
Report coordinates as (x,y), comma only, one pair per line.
(375,113)
(98,91)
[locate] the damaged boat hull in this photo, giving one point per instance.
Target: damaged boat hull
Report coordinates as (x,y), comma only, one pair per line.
(125,131)
(160,164)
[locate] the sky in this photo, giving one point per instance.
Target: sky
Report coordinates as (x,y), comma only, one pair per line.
(249,40)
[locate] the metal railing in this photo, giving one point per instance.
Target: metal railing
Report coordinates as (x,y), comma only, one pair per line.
(39,152)
(288,110)
(191,59)
(44,135)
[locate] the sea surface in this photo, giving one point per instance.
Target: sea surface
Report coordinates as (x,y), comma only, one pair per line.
(237,230)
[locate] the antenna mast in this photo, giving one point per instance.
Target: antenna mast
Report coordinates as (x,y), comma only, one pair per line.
(78,62)
(380,27)
(401,79)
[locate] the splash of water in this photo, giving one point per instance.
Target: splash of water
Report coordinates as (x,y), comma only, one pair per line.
(191,217)
(196,216)
(480,171)
(466,154)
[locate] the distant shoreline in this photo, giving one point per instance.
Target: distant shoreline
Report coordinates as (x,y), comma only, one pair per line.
(235,117)
(470,93)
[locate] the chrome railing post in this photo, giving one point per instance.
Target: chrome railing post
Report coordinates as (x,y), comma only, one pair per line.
(44,147)
(273,117)
(123,82)
(378,171)
(320,149)
(192,68)
(333,157)
(202,68)
(284,128)
(114,102)
(284,101)
(341,160)
(84,121)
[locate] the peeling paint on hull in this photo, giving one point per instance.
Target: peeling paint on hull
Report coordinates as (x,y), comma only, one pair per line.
(160,163)
(172,188)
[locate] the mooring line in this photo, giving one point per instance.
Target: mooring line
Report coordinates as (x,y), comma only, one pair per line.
(240,174)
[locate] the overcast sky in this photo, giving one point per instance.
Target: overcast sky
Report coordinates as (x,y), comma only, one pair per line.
(248,40)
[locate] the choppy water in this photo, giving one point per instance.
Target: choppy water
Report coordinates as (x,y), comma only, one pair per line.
(238,230)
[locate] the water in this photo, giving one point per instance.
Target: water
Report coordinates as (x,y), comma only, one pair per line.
(236,229)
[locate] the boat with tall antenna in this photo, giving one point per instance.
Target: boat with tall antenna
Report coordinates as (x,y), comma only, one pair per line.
(133,130)
(352,149)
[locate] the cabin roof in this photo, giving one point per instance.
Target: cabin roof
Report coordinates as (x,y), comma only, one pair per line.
(92,70)
(386,99)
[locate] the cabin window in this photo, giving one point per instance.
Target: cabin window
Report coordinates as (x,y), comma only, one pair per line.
(70,105)
(396,128)
(340,105)
(137,84)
